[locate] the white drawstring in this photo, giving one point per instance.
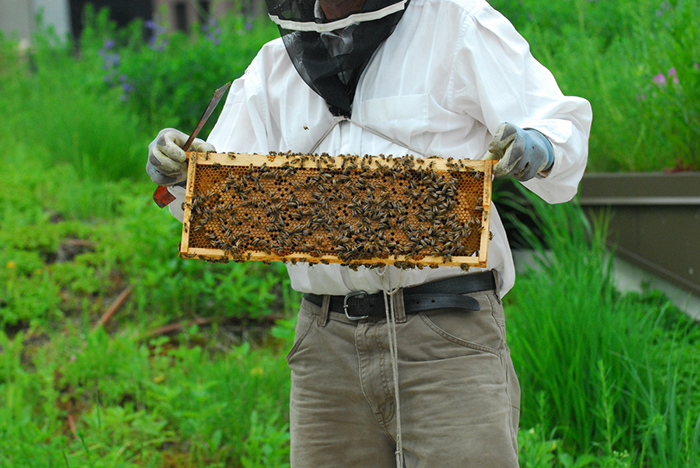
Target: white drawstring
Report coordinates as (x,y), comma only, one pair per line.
(393,352)
(390,311)
(336,120)
(339,118)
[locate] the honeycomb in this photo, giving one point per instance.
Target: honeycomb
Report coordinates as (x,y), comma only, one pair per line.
(369,210)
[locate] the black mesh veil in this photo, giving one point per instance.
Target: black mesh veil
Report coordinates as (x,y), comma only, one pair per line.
(330,55)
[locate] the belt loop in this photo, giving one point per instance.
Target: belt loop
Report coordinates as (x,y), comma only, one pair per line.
(325,306)
(498,287)
(399,307)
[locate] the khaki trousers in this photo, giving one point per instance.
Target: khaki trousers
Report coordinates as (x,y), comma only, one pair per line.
(459,395)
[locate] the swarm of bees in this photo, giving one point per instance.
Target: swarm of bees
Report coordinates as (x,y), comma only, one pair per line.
(353,210)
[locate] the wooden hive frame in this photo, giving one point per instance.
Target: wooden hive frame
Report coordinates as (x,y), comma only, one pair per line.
(370,210)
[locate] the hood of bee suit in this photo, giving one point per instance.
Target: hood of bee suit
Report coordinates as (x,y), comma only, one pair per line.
(330,55)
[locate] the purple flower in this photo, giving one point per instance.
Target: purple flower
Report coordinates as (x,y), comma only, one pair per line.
(212,31)
(158,45)
(673,76)
(125,86)
(110,61)
(156,42)
(660,80)
(155,27)
(665,6)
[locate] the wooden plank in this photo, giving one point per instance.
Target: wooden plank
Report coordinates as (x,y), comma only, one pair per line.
(219,255)
(486,219)
(282,159)
(189,189)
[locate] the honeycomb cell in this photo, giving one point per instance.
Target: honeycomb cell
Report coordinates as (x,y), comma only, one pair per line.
(346,209)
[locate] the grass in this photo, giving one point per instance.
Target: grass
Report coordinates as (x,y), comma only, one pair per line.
(609,370)
(134,402)
(608,379)
(620,55)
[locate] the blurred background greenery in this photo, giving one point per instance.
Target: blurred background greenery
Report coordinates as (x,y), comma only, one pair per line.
(190,372)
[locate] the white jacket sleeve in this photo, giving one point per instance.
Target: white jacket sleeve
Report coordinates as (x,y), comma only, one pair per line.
(496,79)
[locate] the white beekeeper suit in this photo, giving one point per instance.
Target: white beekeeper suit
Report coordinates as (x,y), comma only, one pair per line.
(441,84)
(439,91)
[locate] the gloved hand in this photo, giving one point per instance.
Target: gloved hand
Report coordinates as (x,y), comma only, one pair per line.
(520,153)
(167,162)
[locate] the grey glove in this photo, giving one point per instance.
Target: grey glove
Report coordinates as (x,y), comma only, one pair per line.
(167,162)
(520,153)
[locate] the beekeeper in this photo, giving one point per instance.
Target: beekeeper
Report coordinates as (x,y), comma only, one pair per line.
(400,367)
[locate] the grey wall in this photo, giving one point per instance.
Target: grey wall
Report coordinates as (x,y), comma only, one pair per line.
(18,17)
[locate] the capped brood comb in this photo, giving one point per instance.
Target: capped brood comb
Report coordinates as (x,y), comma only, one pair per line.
(370,210)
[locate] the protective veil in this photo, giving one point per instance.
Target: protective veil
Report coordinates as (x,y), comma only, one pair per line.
(330,55)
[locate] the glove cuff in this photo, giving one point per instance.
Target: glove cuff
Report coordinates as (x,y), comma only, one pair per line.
(549,150)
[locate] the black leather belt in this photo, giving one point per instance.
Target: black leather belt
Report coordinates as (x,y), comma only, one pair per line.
(441,294)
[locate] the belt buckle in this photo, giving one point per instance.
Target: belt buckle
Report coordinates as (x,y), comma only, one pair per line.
(345,305)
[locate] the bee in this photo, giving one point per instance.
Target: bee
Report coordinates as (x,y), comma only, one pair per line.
(305,127)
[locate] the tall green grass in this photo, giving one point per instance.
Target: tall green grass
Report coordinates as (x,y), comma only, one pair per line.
(86,111)
(636,61)
(74,169)
(48,108)
(607,373)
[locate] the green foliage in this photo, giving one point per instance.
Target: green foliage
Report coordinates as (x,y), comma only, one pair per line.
(596,358)
(266,444)
(636,62)
(169,77)
(91,114)
(49,108)
(140,404)
(50,262)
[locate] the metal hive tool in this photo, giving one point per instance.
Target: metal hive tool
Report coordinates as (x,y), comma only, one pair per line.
(370,210)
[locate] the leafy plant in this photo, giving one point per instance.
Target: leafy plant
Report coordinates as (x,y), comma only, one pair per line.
(635,61)
(169,77)
(592,354)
